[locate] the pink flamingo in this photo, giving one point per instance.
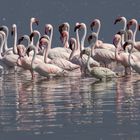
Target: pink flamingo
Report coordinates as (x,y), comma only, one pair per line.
(123,56)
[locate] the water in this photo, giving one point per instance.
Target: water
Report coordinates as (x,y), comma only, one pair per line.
(69,108)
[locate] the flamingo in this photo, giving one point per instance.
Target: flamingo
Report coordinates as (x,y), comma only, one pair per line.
(100,44)
(64,34)
(32,21)
(44,69)
(123,56)
(57,52)
(124,21)
(80,26)
(134,58)
(7,61)
(100,73)
(130,23)
(6,30)
(103,56)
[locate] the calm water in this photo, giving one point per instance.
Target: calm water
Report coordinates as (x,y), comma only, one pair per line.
(69,108)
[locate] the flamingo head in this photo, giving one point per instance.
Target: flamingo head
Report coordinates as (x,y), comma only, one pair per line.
(80,26)
(35,20)
(72,43)
(48,28)
(13,29)
(131,22)
(64,26)
(119,19)
(20,40)
(117,39)
(86,51)
(92,36)
(94,23)
(64,36)
(34,33)
(44,41)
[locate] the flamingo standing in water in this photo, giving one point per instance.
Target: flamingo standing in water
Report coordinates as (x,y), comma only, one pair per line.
(44,69)
(100,73)
(134,58)
(121,57)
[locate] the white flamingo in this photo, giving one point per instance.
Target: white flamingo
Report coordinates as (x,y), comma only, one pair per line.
(100,73)
(124,21)
(103,56)
(130,23)
(100,44)
(134,58)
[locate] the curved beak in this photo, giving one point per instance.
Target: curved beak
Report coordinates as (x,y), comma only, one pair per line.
(92,25)
(117,20)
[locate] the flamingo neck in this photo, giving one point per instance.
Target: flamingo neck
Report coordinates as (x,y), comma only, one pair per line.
(73,51)
(88,65)
(135,31)
(47,48)
(78,41)
(33,58)
(83,38)
(15,42)
(98,28)
(1,45)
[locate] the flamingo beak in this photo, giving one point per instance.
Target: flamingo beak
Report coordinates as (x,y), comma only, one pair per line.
(77,27)
(92,25)
(28,51)
(20,39)
(117,20)
(37,21)
(89,39)
(124,45)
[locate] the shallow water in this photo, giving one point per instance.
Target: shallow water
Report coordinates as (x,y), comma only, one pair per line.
(69,108)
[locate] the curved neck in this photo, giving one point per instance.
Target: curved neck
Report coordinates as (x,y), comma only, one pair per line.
(88,65)
(98,28)
(73,50)
(83,38)
(33,58)
(1,45)
(28,39)
(47,48)
(78,41)
(135,31)
(51,36)
(117,56)
(15,41)
(93,43)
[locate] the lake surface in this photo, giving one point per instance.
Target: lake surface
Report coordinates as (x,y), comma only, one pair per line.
(69,108)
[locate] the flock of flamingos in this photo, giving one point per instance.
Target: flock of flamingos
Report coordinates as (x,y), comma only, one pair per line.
(72,58)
